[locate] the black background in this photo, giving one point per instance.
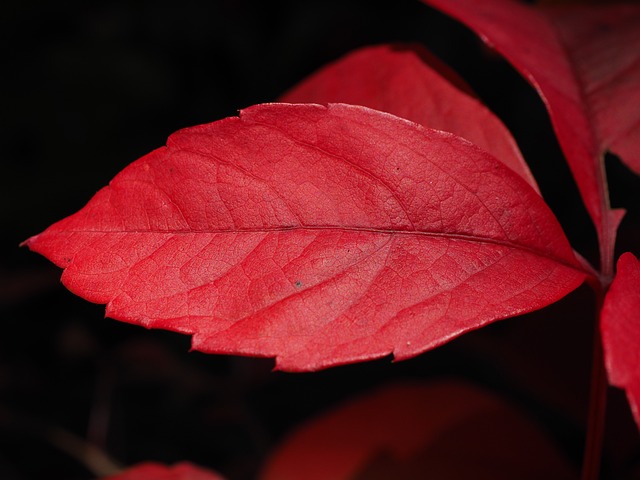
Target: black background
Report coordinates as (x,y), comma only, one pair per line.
(87,88)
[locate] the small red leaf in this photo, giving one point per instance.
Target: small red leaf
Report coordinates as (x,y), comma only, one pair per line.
(438,430)
(157,471)
(620,326)
(585,63)
(411,83)
(317,235)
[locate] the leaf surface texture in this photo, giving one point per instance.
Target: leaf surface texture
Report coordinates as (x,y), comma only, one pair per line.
(317,235)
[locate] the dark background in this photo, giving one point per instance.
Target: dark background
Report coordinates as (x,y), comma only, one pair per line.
(88,87)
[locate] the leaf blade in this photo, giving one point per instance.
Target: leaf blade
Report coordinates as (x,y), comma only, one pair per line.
(157,471)
(300,231)
(620,327)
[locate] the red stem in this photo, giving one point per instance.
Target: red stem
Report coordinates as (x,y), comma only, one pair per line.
(597,406)
(591,463)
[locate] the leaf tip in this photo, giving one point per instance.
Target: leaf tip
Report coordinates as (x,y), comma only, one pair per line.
(28,242)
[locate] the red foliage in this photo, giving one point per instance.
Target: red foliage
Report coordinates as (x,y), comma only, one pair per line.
(620,325)
(156,471)
(318,235)
(327,234)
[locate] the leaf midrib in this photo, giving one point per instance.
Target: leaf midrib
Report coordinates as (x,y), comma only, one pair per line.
(377,231)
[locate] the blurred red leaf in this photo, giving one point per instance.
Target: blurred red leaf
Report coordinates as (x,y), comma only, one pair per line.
(585,63)
(409,82)
(317,235)
(157,471)
(620,326)
(438,430)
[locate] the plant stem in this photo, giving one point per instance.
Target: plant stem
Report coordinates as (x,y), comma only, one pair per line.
(597,406)
(93,458)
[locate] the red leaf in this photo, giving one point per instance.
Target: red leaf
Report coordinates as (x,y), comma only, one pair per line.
(318,235)
(620,326)
(156,471)
(585,63)
(439,430)
(411,83)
